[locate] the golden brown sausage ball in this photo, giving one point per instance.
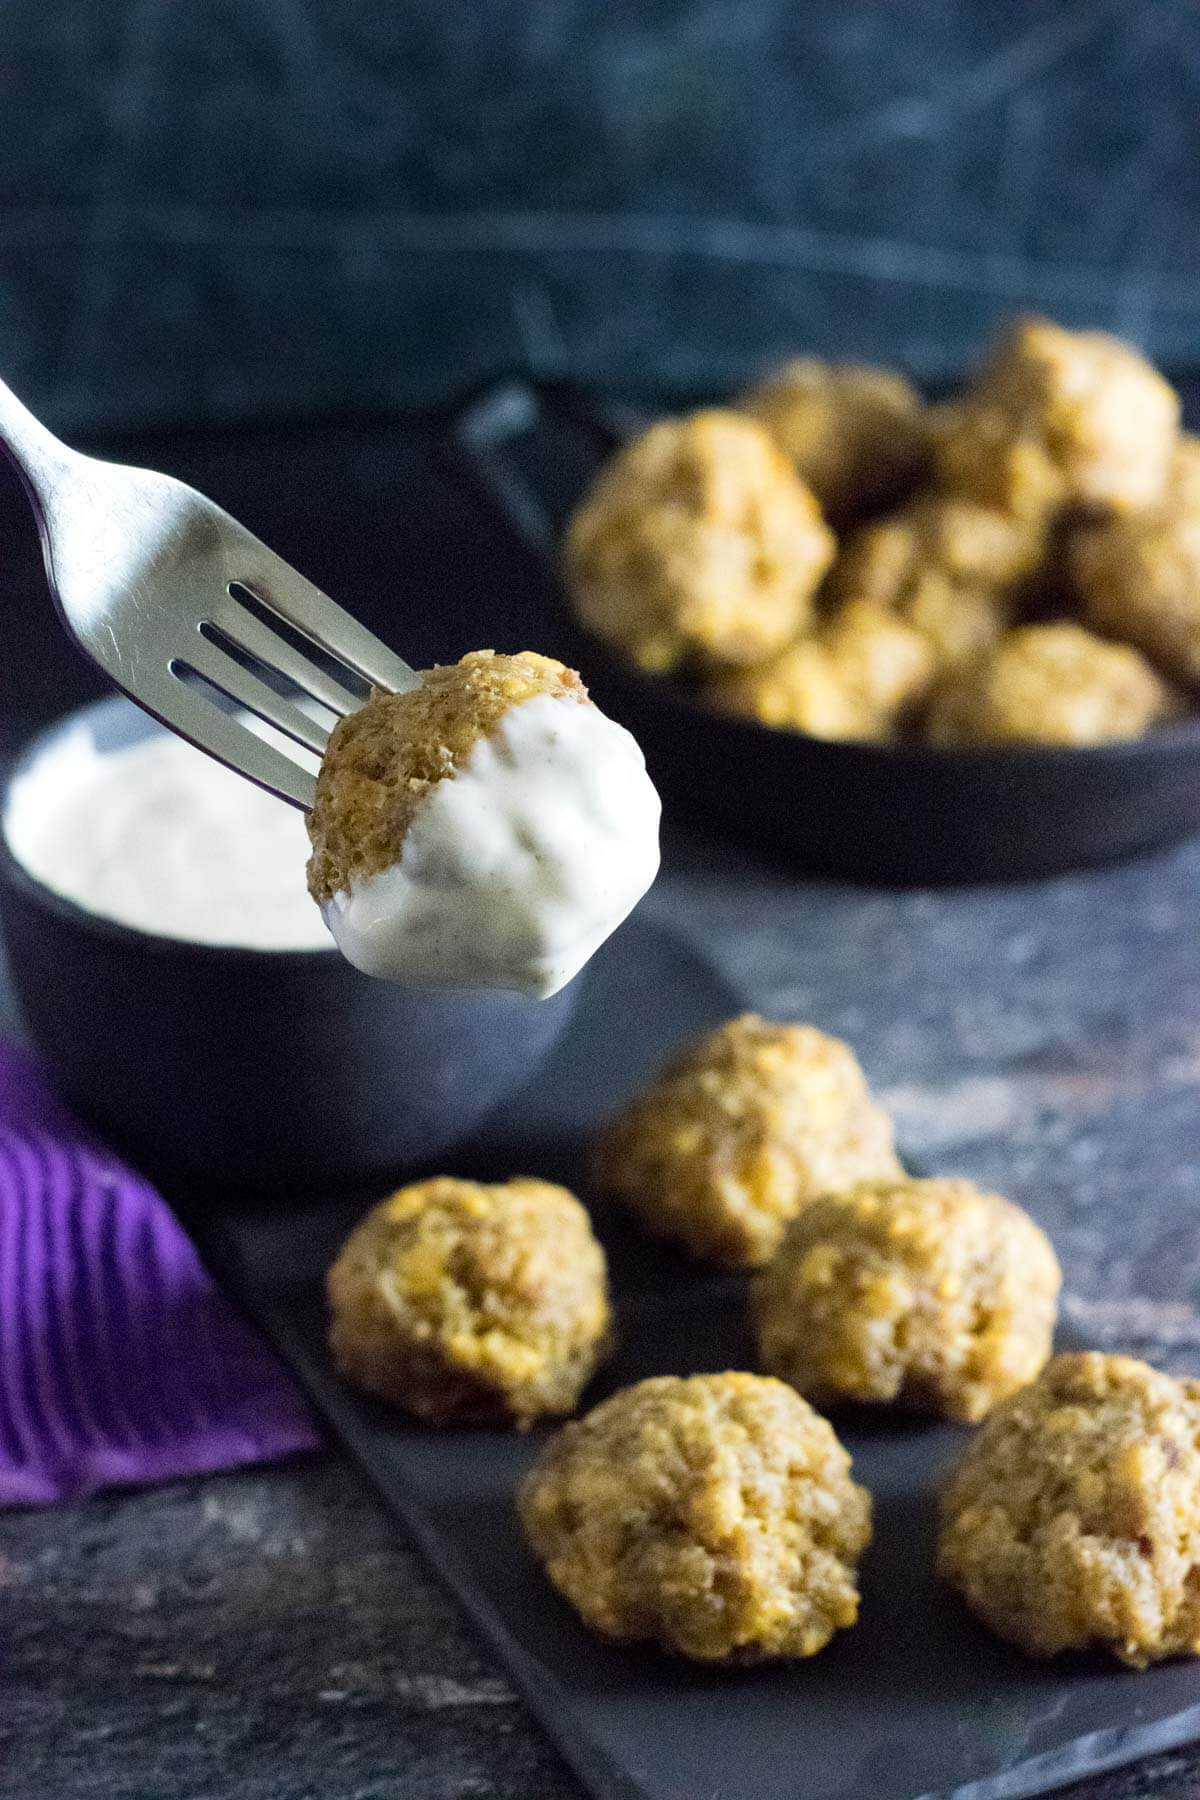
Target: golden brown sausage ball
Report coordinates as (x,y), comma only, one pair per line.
(384,760)
(959,624)
(955,571)
(929,1294)
(469,1304)
(697,544)
(1061,418)
(1183,481)
(857,435)
(1073,1520)
(713,1515)
(1138,578)
(800,690)
(1050,684)
(739,1133)
(859,677)
(888,664)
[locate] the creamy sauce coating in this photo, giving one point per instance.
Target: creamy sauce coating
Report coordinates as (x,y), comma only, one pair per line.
(518,866)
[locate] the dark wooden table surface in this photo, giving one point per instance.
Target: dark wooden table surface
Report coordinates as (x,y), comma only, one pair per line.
(268,1635)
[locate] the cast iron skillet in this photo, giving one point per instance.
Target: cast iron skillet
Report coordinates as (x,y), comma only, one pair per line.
(909,814)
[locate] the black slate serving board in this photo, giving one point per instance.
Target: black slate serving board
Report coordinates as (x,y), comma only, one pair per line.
(916,1701)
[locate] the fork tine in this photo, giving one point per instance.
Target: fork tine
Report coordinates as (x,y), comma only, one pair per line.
(286,592)
(197,717)
(205,658)
(259,640)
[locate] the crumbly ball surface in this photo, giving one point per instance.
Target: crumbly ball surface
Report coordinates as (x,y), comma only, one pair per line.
(699,545)
(1138,578)
(740,1133)
(466,1303)
(1061,418)
(968,544)
(1183,481)
(383,761)
(856,434)
(1073,1520)
(887,663)
(713,1515)
(928,1294)
(859,677)
(1050,684)
(953,570)
(800,690)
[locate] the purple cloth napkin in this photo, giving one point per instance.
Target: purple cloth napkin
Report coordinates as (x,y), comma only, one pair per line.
(119,1360)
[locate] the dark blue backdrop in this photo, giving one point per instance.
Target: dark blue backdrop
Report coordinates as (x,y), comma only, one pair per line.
(215,208)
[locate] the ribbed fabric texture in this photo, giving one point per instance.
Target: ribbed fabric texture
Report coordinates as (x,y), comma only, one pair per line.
(120,1361)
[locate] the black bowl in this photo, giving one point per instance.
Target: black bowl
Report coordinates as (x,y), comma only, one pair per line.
(254,1069)
(907,814)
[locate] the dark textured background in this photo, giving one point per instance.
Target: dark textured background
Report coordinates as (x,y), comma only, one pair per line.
(216,208)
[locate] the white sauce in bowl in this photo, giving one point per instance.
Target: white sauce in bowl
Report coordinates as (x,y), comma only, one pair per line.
(519,865)
(512,874)
(162,838)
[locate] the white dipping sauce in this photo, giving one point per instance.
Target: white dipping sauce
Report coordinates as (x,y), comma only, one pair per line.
(519,865)
(162,838)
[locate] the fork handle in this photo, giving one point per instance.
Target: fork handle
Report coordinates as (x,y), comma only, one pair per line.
(39,458)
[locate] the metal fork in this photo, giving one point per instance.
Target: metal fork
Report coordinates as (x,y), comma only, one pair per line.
(186,611)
